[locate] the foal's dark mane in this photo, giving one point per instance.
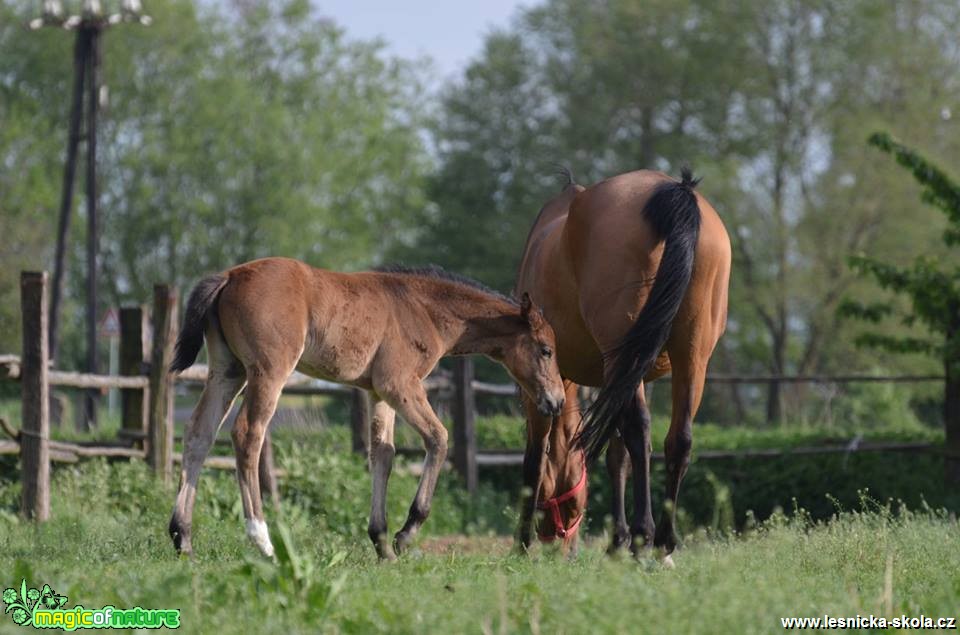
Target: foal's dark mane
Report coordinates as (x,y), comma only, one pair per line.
(436,272)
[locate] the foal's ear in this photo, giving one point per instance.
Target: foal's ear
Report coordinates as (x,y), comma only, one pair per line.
(529,311)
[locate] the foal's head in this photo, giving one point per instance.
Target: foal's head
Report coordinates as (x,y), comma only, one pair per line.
(532,360)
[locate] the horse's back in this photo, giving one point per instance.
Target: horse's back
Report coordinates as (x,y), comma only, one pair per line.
(616,254)
(283,312)
(592,266)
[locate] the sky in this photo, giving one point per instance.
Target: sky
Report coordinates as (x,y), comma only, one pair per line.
(451,32)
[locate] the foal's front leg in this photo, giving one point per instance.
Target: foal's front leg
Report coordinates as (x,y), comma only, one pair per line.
(538,431)
(381,463)
(413,406)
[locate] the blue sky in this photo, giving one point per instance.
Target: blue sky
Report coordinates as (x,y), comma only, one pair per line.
(450,32)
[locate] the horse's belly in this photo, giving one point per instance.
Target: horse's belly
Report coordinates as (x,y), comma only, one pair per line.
(337,356)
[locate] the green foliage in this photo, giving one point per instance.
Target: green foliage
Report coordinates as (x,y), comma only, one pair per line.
(932,285)
(97,554)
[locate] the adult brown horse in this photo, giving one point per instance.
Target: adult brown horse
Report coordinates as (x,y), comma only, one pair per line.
(383,331)
(632,273)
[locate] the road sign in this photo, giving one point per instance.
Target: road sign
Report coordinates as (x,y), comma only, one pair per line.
(110,324)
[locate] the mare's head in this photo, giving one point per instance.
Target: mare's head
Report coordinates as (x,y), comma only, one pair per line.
(532,360)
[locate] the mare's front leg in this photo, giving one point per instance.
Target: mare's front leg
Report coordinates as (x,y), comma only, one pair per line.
(381,463)
(410,400)
(618,465)
(538,432)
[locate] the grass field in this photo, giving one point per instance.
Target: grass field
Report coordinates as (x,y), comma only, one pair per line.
(107,544)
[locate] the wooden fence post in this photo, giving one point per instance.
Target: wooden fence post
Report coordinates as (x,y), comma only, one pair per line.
(464,414)
(160,432)
(35,389)
(360,420)
(133,362)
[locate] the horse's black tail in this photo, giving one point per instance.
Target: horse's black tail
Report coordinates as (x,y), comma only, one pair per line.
(675,215)
(190,340)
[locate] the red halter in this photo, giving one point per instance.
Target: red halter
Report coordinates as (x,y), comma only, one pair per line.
(553,504)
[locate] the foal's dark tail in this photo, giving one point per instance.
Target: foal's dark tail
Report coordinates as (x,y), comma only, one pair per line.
(190,340)
(674,214)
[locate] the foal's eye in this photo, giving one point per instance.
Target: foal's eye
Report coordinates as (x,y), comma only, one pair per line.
(546,352)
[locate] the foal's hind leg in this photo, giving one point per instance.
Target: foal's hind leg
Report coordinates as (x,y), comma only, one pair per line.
(381,462)
(411,402)
(224,382)
(249,430)
(618,465)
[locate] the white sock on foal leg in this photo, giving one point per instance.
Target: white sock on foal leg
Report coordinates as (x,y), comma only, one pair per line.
(257,532)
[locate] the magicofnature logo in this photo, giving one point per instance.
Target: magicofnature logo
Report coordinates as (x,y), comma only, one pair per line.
(44,608)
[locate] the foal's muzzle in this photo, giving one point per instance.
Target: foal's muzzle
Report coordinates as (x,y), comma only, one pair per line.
(550,406)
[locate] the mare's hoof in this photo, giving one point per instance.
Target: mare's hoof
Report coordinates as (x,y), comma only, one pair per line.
(619,544)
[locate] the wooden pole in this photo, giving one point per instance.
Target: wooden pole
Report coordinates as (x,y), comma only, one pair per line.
(360,421)
(951,421)
(93,230)
(160,425)
(464,414)
(133,362)
(35,429)
(66,198)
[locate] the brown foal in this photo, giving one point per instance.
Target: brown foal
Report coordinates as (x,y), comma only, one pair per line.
(383,331)
(632,274)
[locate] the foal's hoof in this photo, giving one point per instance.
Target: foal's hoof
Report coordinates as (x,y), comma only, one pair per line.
(402,542)
(180,535)
(667,562)
(385,552)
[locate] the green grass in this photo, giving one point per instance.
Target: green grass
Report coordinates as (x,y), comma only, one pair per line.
(106,544)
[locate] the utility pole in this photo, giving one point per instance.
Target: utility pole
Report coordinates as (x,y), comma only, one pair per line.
(89,24)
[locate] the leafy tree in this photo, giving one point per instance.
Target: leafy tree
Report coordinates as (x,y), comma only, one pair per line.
(763,99)
(233,131)
(932,286)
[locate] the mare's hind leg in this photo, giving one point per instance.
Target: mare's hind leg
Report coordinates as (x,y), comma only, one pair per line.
(687,391)
(410,401)
(636,438)
(381,462)
(618,465)
(259,404)
(224,383)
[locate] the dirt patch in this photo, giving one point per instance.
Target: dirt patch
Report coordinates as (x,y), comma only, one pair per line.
(460,544)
